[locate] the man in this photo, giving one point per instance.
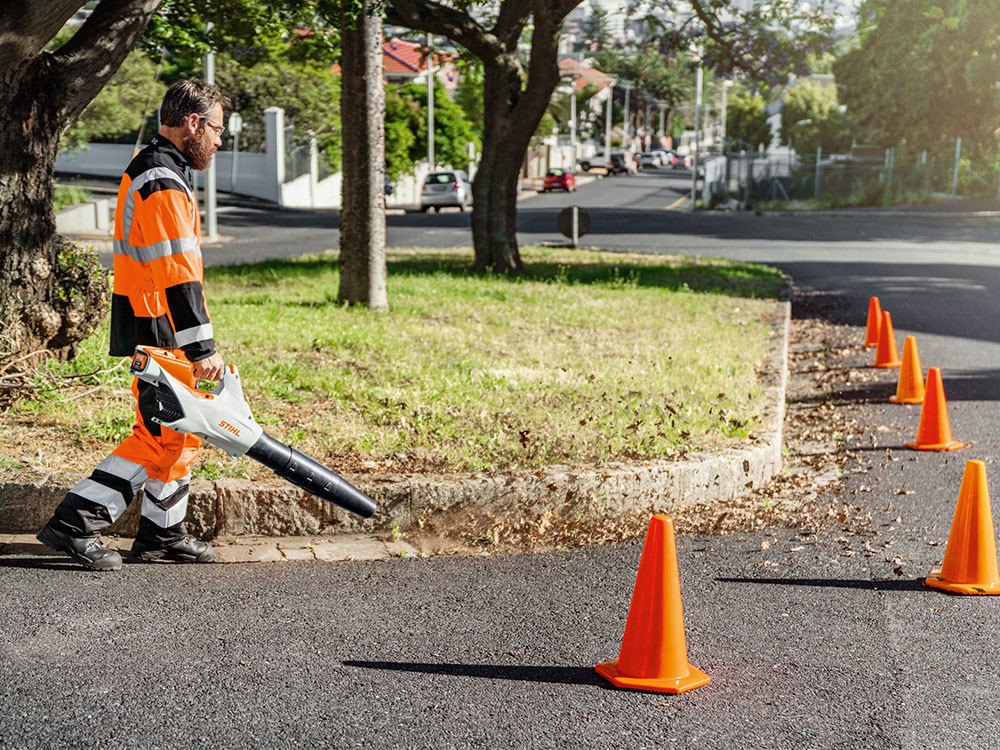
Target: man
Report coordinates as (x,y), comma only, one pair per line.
(157,300)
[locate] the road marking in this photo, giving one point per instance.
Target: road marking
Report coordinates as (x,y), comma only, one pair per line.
(678,201)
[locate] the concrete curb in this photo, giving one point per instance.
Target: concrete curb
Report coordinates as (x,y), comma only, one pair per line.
(524,501)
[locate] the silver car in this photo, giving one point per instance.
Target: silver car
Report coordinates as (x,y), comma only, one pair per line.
(452,188)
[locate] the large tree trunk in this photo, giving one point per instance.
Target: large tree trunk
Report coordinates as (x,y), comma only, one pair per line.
(52,293)
(362,114)
(511,116)
(494,189)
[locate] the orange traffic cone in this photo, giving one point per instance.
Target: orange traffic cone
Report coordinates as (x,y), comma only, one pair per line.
(910,388)
(886,354)
(874,321)
(934,431)
(654,653)
(970,559)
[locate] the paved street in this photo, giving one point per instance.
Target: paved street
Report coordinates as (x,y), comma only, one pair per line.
(807,646)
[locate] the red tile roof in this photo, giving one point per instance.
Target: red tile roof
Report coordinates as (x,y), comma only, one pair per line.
(582,75)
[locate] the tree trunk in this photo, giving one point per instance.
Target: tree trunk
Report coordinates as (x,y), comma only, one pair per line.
(511,118)
(362,112)
(52,292)
(494,189)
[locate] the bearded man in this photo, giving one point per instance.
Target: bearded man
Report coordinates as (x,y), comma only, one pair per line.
(158,300)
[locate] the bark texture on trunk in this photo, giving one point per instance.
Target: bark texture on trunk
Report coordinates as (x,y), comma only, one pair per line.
(52,292)
(362,216)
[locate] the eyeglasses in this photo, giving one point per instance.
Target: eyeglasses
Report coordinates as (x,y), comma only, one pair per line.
(217,127)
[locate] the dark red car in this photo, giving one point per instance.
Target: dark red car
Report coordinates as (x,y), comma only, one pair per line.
(559,179)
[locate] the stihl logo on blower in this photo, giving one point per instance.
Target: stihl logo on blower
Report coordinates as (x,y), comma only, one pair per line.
(226,426)
(222,418)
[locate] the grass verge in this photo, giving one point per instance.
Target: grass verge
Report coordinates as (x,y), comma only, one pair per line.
(587,358)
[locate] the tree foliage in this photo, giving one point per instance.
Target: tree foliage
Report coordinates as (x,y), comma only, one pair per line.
(122,105)
(746,119)
(812,118)
(925,72)
(453,130)
(309,93)
(596,30)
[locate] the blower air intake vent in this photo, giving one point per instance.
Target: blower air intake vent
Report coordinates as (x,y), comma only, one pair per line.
(170,407)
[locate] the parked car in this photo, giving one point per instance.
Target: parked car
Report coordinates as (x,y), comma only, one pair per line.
(589,162)
(559,179)
(650,160)
(672,159)
(622,162)
(446,189)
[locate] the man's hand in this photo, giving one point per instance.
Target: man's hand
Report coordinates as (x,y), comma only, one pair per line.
(210,368)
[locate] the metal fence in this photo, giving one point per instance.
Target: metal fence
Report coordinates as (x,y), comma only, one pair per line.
(867,176)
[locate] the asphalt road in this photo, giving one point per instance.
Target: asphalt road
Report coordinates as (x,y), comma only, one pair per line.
(806,646)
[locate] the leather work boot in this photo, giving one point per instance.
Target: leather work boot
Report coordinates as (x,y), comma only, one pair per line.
(187,549)
(87,550)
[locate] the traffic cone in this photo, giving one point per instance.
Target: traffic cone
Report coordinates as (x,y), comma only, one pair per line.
(934,431)
(970,559)
(910,388)
(886,354)
(874,321)
(654,653)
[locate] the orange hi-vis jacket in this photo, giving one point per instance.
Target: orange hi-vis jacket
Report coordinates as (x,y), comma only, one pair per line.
(157,298)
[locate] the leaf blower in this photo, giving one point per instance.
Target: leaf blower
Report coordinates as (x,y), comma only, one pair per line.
(221,417)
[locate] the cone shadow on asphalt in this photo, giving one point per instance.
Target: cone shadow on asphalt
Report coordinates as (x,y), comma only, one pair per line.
(960,385)
(557,675)
(882,584)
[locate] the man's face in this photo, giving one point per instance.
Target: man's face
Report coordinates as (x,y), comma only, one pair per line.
(200,146)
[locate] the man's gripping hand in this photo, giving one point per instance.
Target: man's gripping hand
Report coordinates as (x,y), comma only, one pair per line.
(210,368)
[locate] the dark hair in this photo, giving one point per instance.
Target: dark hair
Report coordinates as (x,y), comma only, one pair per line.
(187,96)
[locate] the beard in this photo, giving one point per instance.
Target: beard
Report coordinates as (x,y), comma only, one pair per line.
(198,151)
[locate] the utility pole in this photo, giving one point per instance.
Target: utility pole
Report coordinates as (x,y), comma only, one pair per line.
(210,193)
(725,90)
(607,126)
(625,126)
(697,125)
(572,123)
(430,102)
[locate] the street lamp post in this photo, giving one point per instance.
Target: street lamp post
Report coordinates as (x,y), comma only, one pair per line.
(697,125)
(430,102)
(607,126)
(210,191)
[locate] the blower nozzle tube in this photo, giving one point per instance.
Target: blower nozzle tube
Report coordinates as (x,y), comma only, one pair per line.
(296,467)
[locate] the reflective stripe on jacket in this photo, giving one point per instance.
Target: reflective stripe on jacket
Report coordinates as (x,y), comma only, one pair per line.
(158,298)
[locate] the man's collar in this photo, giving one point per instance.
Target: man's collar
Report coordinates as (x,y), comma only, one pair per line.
(167,146)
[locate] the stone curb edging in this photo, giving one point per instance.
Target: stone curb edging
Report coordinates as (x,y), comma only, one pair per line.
(235,508)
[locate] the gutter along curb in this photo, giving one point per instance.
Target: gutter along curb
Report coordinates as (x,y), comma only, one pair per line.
(526,502)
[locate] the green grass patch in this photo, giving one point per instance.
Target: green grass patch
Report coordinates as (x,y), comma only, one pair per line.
(588,357)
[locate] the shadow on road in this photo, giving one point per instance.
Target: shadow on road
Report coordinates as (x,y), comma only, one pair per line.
(558,675)
(959,385)
(883,584)
(40,563)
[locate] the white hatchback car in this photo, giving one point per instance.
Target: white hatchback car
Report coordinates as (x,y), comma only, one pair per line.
(452,188)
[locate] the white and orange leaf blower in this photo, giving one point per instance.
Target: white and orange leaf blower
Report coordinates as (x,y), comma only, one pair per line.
(221,417)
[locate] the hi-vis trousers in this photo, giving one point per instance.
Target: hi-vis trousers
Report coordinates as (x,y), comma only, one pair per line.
(154,459)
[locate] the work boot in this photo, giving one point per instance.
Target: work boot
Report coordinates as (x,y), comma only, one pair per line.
(187,549)
(86,550)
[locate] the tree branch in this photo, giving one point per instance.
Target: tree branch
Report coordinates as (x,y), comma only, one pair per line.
(426,15)
(514,15)
(85,63)
(27,26)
